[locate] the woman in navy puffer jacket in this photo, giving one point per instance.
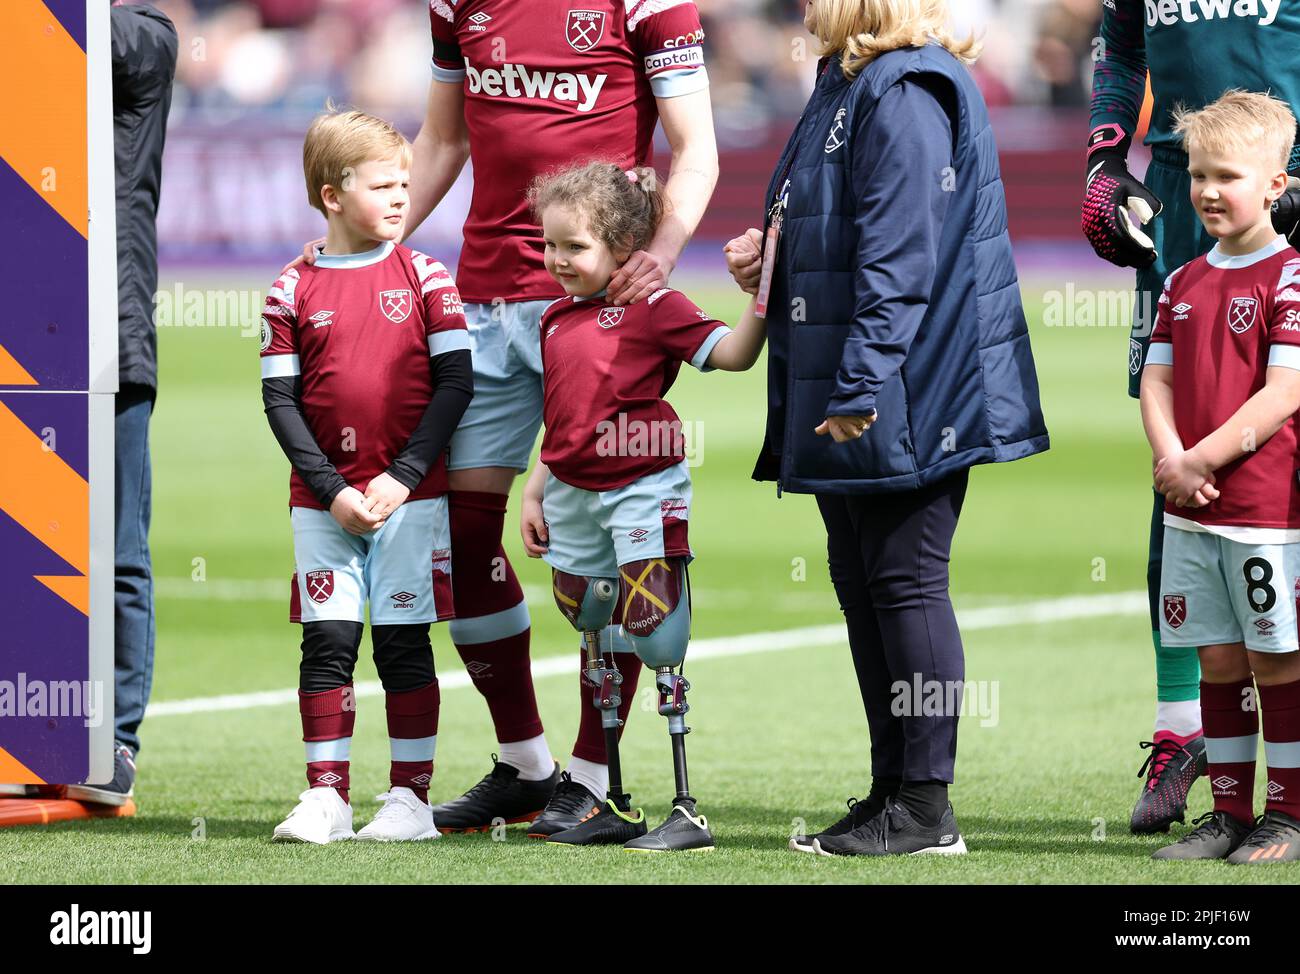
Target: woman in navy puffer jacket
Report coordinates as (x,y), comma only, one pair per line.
(898,358)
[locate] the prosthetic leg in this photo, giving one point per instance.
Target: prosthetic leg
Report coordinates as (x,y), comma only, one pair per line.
(588,604)
(657,620)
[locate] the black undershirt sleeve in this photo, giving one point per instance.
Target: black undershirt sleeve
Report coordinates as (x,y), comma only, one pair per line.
(282,400)
(453,387)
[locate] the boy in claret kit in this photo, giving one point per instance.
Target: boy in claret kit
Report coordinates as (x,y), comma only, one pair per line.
(608,503)
(1219,396)
(365,374)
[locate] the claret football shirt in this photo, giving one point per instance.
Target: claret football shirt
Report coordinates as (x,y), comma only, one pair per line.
(360,330)
(1221,322)
(605,371)
(546,84)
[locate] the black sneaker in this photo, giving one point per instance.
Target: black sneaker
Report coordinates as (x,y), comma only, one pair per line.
(116,792)
(570,804)
(859,812)
(683,831)
(1170,769)
(1276,838)
(1216,835)
(499,797)
(604,826)
(893,832)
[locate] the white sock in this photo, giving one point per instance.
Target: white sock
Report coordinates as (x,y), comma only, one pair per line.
(1181,717)
(532,757)
(592,776)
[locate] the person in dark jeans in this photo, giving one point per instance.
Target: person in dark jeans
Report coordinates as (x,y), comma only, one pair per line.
(144,66)
(898,358)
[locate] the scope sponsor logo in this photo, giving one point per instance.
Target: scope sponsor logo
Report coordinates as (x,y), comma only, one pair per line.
(1167,13)
(518,81)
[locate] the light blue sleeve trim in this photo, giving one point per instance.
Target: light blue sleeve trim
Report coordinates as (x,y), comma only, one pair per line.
(279,366)
(449,75)
(680,81)
(1160,353)
(491,627)
(448,341)
(702,353)
(1284,356)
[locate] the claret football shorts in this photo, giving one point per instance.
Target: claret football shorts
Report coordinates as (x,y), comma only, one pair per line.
(403,569)
(1214,590)
(502,421)
(593,532)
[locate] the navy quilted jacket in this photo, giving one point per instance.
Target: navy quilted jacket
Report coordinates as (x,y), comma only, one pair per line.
(895,288)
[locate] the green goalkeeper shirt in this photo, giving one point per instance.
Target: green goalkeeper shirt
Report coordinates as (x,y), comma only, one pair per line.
(1195,50)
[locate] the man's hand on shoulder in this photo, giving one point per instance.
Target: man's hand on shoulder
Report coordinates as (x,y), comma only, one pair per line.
(308,255)
(642,275)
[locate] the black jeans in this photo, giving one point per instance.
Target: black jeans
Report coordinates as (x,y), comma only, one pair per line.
(888,557)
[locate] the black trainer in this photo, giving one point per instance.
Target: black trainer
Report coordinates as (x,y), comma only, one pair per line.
(570,803)
(1216,836)
(116,792)
(1276,838)
(1170,769)
(684,830)
(500,797)
(859,812)
(893,832)
(604,826)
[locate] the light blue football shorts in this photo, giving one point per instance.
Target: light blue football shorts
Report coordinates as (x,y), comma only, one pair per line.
(403,569)
(500,426)
(1214,590)
(593,532)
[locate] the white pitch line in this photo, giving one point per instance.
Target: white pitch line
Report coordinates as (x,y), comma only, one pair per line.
(989,617)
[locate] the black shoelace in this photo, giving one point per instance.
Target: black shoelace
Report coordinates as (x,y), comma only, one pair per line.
(1157,762)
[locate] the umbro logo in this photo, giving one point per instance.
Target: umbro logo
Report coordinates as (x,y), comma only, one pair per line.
(477,668)
(1183,308)
(402,597)
(638,535)
(1265,627)
(321,318)
(330,778)
(478,21)
(1274,789)
(1224,783)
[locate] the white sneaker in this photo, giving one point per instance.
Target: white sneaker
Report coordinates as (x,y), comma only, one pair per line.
(404,818)
(321,816)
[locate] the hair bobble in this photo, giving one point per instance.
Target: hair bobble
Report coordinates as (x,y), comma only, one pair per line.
(631,175)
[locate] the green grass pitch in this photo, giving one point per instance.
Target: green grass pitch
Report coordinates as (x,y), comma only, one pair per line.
(1043,792)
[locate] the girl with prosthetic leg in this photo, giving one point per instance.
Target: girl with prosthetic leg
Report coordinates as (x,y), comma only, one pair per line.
(607,506)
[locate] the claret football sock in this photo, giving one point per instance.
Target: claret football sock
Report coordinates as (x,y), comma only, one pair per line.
(492,628)
(413,737)
(328,718)
(1281,716)
(590,745)
(1231,740)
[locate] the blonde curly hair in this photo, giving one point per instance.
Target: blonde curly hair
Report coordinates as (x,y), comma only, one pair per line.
(866,29)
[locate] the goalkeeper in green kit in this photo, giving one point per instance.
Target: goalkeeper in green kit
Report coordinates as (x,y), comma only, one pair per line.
(1195,50)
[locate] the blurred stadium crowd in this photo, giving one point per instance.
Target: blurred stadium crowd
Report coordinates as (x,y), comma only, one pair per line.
(286,56)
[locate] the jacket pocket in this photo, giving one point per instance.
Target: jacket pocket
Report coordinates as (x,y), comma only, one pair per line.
(881,452)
